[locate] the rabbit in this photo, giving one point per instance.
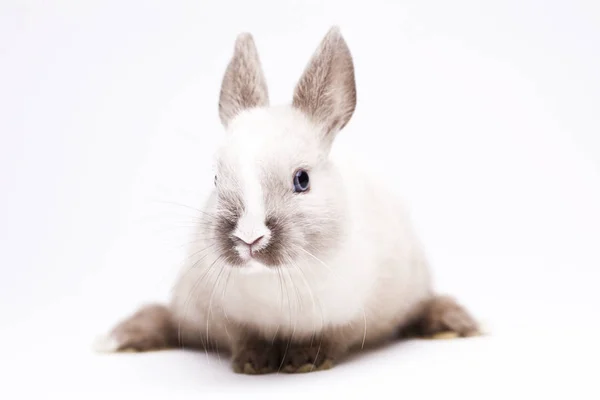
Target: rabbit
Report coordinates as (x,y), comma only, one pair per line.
(301,257)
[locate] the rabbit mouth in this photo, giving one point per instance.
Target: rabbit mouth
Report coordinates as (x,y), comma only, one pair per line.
(270,255)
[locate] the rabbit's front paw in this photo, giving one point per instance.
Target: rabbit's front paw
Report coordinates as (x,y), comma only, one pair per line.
(299,359)
(256,357)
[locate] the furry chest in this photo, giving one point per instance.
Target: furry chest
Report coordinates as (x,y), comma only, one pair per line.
(292,303)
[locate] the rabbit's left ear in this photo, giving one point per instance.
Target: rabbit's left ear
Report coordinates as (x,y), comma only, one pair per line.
(244,85)
(326,91)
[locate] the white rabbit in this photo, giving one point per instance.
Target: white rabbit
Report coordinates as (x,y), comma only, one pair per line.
(300,257)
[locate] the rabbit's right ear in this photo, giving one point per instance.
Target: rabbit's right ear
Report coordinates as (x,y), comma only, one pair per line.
(326,91)
(244,85)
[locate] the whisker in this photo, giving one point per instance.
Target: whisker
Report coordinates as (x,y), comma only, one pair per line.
(185,206)
(305,281)
(154,217)
(199,251)
(189,297)
(316,258)
(299,302)
(215,286)
(192,267)
(322,318)
(223,300)
(293,327)
(318,352)
(287,293)
(362,346)
(314,299)
(279,278)
(362,308)
(171,225)
(197,241)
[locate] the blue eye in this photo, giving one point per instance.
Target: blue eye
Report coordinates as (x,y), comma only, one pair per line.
(301,183)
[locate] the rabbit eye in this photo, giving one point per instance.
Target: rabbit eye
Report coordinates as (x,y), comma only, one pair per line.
(301,182)
(215,180)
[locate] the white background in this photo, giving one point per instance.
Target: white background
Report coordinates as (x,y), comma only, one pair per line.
(483,114)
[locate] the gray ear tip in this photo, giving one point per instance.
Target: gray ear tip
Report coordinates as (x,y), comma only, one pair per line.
(244,40)
(244,36)
(334,34)
(335,39)
(335,30)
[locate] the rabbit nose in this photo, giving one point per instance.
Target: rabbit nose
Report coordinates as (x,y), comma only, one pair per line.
(251,242)
(251,233)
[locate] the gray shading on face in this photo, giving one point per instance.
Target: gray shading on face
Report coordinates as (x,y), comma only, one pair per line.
(300,226)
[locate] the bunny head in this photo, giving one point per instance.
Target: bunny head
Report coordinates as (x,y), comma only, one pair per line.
(279,199)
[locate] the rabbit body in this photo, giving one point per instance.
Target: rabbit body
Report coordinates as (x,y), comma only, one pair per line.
(364,290)
(301,254)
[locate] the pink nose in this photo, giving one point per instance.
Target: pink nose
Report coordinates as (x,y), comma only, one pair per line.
(252,243)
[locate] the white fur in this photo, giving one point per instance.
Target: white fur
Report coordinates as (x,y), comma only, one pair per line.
(371,284)
(105,344)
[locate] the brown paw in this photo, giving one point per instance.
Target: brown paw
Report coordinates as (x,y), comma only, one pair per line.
(444,318)
(150,328)
(257,357)
(299,359)
(446,315)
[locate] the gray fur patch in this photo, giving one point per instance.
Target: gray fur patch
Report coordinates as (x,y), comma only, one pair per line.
(244,85)
(326,91)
